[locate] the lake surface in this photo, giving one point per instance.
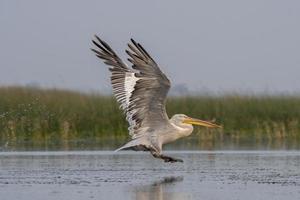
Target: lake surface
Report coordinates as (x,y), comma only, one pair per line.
(207,175)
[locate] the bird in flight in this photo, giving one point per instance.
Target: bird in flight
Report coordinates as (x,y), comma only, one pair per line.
(141,91)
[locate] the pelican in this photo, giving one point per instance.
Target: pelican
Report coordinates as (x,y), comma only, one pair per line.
(141,91)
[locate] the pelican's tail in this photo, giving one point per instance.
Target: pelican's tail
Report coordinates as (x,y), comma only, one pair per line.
(138,144)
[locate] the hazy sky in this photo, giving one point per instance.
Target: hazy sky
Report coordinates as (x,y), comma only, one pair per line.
(203,45)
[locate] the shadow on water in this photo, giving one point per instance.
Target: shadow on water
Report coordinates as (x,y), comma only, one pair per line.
(163,189)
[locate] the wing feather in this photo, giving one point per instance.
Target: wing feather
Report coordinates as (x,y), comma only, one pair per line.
(140,90)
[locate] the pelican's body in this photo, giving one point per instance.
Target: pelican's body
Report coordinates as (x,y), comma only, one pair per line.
(155,138)
(141,92)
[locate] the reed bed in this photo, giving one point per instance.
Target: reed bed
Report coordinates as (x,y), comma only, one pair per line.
(50,116)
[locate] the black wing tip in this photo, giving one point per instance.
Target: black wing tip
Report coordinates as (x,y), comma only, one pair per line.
(95,43)
(128,52)
(133,41)
(97,53)
(97,37)
(130,60)
(103,46)
(98,40)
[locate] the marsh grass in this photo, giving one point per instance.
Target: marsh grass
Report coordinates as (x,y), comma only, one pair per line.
(56,117)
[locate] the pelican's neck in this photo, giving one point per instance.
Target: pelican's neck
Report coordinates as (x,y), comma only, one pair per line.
(179,131)
(183,129)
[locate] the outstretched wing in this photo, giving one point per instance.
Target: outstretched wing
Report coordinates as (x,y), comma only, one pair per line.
(140,90)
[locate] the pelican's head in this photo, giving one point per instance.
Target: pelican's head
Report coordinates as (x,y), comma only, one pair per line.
(183,119)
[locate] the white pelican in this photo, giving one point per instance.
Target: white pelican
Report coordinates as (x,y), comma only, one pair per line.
(141,91)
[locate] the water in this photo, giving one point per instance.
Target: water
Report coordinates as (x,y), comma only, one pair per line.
(205,175)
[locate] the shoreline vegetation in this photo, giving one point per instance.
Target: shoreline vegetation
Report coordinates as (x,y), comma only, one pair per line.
(48,118)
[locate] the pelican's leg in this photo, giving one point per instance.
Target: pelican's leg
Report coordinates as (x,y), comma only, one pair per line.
(165,158)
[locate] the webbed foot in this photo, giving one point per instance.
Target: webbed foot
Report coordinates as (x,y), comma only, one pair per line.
(165,158)
(170,159)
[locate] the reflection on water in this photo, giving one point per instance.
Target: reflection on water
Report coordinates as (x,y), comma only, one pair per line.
(157,190)
(168,180)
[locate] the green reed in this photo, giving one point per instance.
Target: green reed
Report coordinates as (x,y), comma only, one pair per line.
(37,115)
